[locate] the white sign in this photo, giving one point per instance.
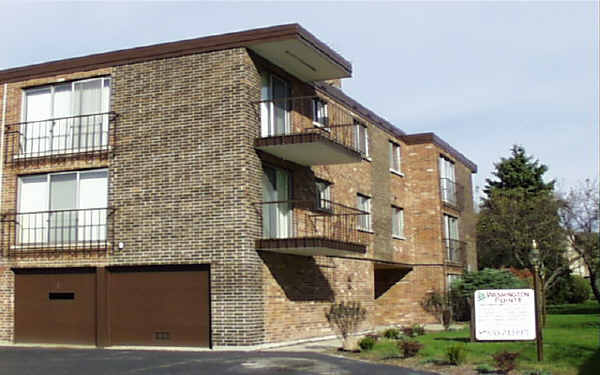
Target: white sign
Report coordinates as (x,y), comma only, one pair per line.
(504,314)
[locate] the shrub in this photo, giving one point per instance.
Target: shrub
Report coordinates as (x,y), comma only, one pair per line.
(485,369)
(579,290)
(392,333)
(506,361)
(345,318)
(456,354)
(409,348)
(367,343)
(408,331)
(418,330)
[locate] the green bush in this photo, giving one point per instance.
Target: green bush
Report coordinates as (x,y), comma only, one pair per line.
(456,354)
(392,333)
(488,278)
(569,289)
(367,343)
(409,348)
(580,290)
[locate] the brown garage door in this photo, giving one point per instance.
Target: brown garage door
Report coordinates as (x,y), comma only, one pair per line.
(166,305)
(55,306)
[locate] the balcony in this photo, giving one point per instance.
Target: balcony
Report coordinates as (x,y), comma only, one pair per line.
(456,252)
(289,132)
(60,138)
(56,231)
(452,194)
(310,228)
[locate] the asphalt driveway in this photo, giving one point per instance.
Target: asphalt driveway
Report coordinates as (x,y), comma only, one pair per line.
(29,361)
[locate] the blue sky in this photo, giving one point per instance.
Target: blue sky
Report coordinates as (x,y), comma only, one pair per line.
(483,76)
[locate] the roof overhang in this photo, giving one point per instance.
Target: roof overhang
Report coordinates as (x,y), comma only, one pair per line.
(302,59)
(289,46)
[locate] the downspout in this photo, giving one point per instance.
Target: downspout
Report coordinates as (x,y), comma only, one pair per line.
(3,124)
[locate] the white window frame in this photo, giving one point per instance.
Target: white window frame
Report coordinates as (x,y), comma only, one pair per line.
(451,233)
(323,195)
(448,180)
(47,193)
(364,204)
(320,113)
(268,106)
(395,158)
(398,223)
(48,145)
(357,137)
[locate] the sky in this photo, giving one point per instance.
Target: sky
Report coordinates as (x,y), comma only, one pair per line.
(483,76)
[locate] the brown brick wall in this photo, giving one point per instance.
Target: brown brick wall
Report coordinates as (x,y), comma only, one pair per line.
(184,177)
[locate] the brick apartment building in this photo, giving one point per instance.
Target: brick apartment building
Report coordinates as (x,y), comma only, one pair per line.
(219,191)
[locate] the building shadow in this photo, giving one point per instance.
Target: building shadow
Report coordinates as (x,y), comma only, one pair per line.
(300,277)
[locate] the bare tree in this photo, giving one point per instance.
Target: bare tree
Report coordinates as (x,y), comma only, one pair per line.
(579,217)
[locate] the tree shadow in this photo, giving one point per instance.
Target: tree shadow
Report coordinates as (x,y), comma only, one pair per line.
(300,277)
(455,339)
(591,366)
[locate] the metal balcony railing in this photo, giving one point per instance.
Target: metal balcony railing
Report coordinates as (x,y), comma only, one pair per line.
(59,230)
(322,219)
(456,251)
(295,116)
(452,193)
(60,137)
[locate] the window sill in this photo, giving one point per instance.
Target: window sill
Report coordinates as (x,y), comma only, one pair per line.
(365,230)
(399,237)
(397,173)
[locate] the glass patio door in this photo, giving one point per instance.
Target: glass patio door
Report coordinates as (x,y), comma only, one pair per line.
(274,106)
(277,216)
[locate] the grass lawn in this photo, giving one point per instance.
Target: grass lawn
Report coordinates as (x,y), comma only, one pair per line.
(571,346)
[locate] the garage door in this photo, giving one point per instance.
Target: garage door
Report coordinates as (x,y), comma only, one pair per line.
(55,306)
(167,305)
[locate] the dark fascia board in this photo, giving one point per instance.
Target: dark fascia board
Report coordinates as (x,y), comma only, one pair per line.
(173,49)
(420,138)
(355,106)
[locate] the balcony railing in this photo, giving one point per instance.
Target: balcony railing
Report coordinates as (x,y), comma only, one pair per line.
(59,230)
(456,251)
(290,121)
(60,137)
(299,226)
(452,193)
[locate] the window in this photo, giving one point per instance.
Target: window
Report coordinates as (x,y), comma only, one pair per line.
(277,209)
(451,237)
(63,207)
(364,204)
(395,157)
(320,118)
(324,195)
(361,138)
(447,181)
(452,278)
(397,222)
(275,106)
(66,117)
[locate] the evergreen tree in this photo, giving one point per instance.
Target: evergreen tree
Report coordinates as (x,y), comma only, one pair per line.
(518,175)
